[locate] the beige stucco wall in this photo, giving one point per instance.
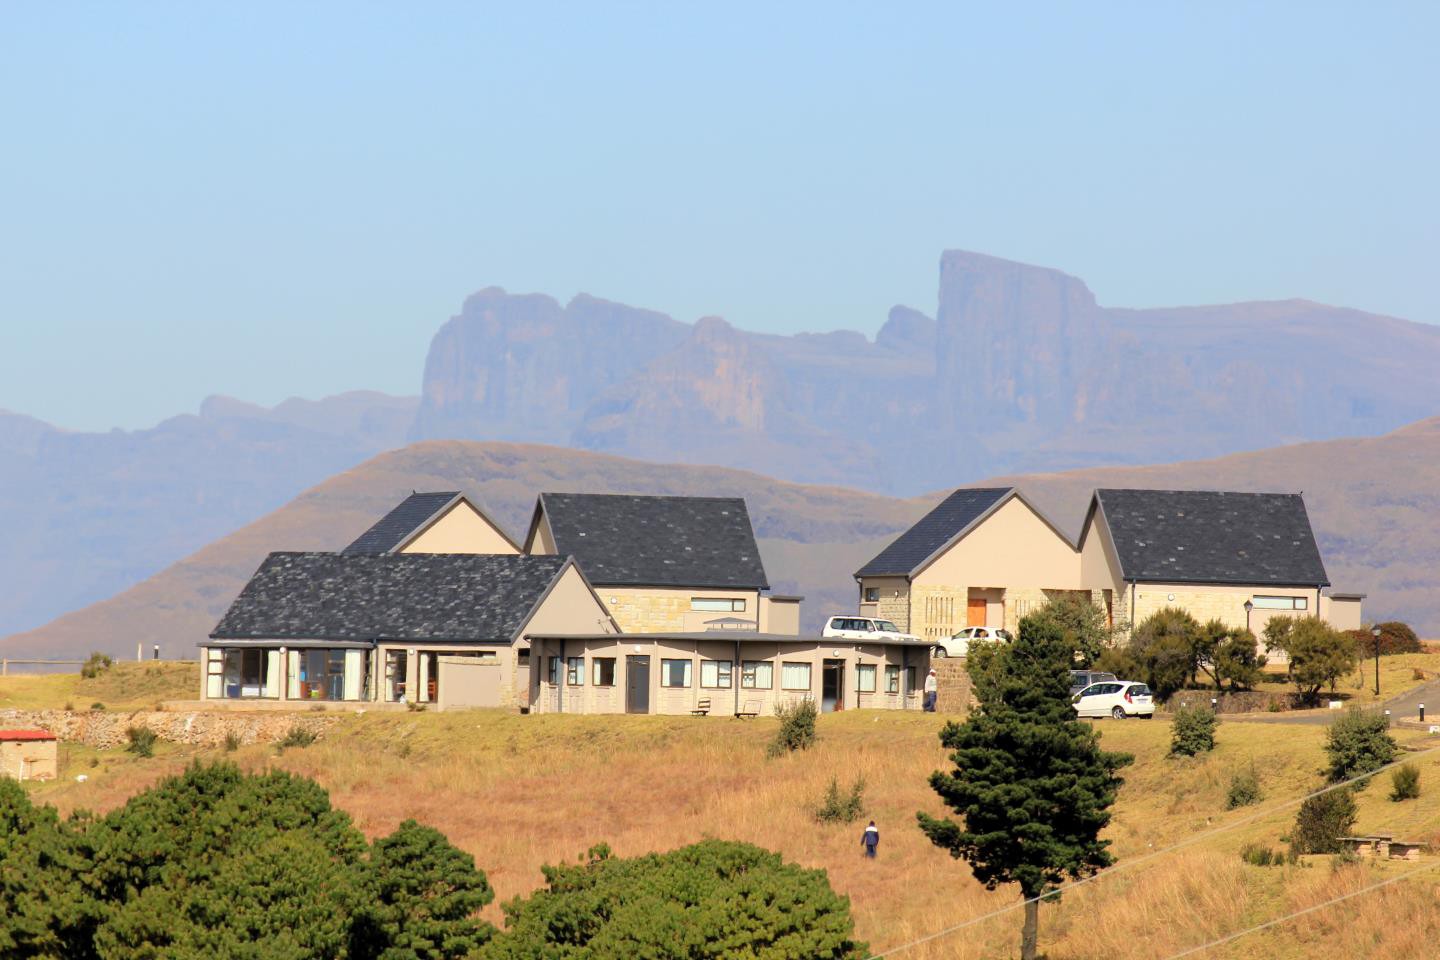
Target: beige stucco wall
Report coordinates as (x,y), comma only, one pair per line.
(779,616)
(1099,565)
(542,543)
(667,609)
(1013,546)
(462,529)
(571,607)
(29,759)
(587,698)
(1226,603)
(1342,614)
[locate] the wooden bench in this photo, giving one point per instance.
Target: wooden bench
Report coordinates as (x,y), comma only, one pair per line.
(702,708)
(750,709)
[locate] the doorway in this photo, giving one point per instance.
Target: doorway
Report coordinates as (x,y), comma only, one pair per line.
(832,686)
(637,684)
(975,612)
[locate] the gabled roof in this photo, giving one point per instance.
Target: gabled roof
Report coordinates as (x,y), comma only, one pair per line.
(1210,536)
(435,596)
(414,515)
(935,532)
(623,540)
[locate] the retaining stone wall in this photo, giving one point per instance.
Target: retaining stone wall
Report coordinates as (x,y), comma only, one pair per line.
(106,729)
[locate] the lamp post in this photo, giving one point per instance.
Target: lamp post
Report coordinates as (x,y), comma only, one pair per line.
(1375,632)
(1248,607)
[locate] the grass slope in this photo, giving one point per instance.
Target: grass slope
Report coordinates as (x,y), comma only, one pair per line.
(521,791)
(124,686)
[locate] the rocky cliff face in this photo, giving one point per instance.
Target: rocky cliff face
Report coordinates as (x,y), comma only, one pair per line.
(1021,369)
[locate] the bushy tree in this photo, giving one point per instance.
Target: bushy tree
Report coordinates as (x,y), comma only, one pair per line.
(1357,743)
(1244,790)
(1163,651)
(1082,623)
(797,728)
(713,899)
(1395,637)
(1030,782)
(1405,782)
(1228,655)
(1319,654)
(1321,821)
(45,912)
(426,893)
(1193,731)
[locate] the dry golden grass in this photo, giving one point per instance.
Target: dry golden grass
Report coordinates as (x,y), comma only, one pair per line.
(518,792)
(127,684)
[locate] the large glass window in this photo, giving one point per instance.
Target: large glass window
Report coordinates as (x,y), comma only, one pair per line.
(604,671)
(394,675)
(715,673)
(575,671)
(246,672)
(865,677)
(675,673)
(1280,603)
(322,674)
(553,673)
(795,676)
(757,675)
(717,605)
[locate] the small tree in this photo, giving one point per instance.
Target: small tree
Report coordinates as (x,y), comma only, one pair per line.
(1395,637)
(1193,731)
(1405,782)
(96,664)
(141,741)
(1029,780)
(842,806)
(797,728)
(1322,820)
(426,894)
(1244,790)
(1082,623)
(1358,742)
(1165,645)
(1228,655)
(1319,654)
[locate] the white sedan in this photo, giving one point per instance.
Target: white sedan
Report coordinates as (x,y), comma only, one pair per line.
(959,644)
(1114,698)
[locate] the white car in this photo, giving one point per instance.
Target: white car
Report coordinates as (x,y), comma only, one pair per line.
(959,645)
(864,628)
(1114,698)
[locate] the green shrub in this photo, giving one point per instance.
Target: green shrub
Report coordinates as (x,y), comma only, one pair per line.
(96,664)
(797,728)
(232,742)
(1261,855)
(1244,790)
(97,706)
(1395,637)
(1359,742)
(297,737)
(142,741)
(842,807)
(1405,782)
(1193,731)
(1319,654)
(1322,820)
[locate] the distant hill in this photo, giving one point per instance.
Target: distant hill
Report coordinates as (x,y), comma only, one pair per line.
(87,515)
(1375,504)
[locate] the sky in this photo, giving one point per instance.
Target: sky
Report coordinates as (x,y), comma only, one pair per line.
(287,199)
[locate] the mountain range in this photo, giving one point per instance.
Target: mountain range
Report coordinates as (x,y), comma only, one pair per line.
(1374,503)
(1019,370)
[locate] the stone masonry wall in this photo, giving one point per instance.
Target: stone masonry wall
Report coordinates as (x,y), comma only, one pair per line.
(106,729)
(939,611)
(954,694)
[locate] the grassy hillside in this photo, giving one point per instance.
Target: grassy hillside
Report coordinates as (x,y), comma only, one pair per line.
(520,791)
(1374,503)
(123,686)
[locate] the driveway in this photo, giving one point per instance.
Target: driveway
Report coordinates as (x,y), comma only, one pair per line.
(1401,707)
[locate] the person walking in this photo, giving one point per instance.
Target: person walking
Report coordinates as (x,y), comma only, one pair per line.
(870,840)
(932,690)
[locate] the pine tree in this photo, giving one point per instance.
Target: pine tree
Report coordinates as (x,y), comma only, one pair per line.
(1030,781)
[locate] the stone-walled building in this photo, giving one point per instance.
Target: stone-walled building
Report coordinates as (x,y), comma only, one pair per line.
(987,557)
(665,564)
(29,755)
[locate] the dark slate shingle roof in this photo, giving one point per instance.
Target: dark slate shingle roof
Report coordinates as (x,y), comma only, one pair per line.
(933,531)
(1203,536)
(390,530)
(436,596)
(623,540)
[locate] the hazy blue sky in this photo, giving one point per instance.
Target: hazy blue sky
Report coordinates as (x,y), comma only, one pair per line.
(275,199)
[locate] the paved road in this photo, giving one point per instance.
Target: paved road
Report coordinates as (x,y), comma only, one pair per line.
(1405,705)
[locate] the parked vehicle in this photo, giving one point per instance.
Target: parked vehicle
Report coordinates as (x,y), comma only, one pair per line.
(864,628)
(1115,698)
(959,644)
(1080,679)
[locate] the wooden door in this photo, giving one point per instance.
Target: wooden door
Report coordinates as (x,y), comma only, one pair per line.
(976,613)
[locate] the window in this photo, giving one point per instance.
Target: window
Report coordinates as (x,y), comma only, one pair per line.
(553,675)
(246,672)
(910,686)
(717,605)
(575,671)
(892,679)
(865,677)
(757,675)
(675,673)
(795,676)
(872,594)
(715,673)
(604,671)
(1279,603)
(394,675)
